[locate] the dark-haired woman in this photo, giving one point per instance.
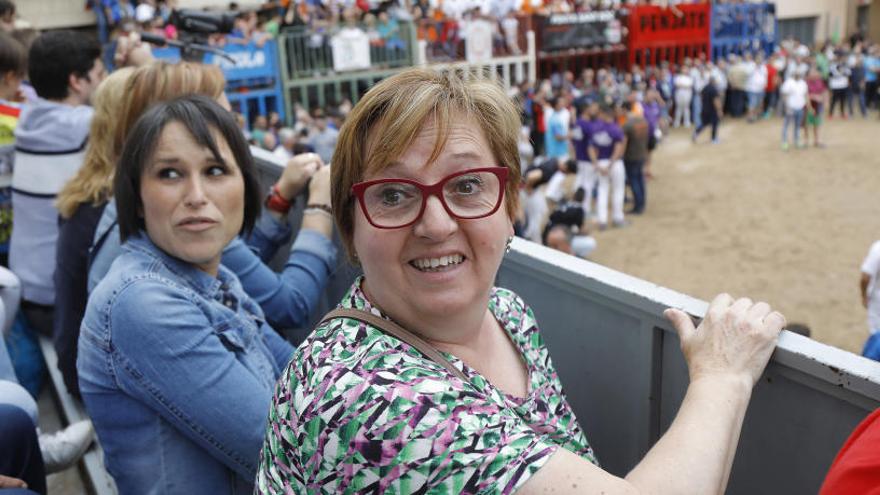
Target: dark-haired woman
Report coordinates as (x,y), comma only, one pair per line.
(176,362)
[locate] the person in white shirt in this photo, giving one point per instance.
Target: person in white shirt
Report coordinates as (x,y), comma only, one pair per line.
(869,284)
(288,140)
(684,93)
(794,94)
(755,86)
(838,82)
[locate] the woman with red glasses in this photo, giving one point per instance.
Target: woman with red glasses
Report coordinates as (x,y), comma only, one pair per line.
(427,379)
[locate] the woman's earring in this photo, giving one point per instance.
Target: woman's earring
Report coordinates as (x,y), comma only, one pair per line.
(507,246)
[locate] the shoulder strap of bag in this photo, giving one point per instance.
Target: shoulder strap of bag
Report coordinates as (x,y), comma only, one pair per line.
(397,331)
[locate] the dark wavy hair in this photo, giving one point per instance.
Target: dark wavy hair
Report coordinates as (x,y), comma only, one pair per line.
(200,115)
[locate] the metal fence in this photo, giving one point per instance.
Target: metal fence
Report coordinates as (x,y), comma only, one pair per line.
(307,53)
(310,80)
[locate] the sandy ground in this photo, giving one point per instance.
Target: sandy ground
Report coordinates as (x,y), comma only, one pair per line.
(744,217)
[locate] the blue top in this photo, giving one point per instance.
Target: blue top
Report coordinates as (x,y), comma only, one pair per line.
(288,299)
(556,148)
(871,64)
(177,370)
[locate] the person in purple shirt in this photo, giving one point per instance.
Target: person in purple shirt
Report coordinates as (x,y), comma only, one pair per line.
(606,145)
(581,131)
(653,108)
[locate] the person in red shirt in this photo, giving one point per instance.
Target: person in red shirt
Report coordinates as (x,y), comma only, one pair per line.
(771,91)
(856,469)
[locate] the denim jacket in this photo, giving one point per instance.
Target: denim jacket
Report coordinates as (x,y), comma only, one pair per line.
(177,370)
(287,298)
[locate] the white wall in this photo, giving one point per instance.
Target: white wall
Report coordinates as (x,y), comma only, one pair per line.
(216,4)
(50,14)
(833,15)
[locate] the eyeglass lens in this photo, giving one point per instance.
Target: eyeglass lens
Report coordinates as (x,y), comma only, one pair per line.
(469,195)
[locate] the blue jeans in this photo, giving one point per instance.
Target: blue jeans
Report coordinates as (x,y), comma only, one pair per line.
(872,347)
(10,391)
(697,109)
(857,94)
(772,99)
(795,117)
(755,98)
(705,124)
(20,456)
(636,180)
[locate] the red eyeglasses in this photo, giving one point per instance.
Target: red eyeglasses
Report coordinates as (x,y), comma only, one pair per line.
(466,195)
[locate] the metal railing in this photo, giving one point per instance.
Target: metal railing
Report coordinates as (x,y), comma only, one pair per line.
(307,53)
(309,79)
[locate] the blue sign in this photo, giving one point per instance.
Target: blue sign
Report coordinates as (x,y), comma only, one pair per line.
(248,61)
(253,82)
(747,27)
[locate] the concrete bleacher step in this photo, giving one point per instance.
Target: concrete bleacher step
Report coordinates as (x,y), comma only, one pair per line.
(95,476)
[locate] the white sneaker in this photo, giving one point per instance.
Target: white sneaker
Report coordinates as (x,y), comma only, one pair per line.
(64,448)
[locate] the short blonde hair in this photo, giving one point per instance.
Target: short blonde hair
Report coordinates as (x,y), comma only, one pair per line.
(386,121)
(164,81)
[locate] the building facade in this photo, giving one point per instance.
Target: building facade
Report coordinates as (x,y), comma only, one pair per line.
(815,21)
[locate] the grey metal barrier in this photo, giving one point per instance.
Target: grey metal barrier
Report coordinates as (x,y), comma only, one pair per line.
(622,369)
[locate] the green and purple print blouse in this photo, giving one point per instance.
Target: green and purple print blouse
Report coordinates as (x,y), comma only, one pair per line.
(357,410)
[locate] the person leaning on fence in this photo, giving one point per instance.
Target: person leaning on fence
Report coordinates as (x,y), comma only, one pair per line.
(462,396)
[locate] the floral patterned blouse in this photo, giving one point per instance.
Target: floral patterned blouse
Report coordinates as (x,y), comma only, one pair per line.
(358,410)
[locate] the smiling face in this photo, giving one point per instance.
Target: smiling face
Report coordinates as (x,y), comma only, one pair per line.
(193,204)
(439,265)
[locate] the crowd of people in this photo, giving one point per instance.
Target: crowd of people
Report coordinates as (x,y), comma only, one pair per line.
(140,242)
(598,128)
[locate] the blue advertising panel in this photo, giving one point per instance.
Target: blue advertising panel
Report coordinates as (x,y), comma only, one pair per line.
(745,27)
(253,82)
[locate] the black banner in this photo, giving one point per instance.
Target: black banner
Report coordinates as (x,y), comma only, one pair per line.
(580,30)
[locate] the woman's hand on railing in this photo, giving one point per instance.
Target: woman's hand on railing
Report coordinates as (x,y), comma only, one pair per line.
(736,338)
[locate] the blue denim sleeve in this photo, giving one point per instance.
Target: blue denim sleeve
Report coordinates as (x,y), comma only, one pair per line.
(287,298)
(175,362)
(268,235)
(282,351)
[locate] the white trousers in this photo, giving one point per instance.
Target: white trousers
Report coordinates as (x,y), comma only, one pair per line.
(536,211)
(586,179)
(682,109)
(615,180)
(554,191)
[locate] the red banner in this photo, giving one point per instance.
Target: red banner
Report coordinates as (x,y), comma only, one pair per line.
(651,25)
